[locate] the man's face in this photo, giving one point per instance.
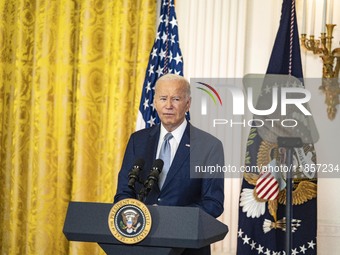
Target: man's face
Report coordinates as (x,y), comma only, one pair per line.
(171,103)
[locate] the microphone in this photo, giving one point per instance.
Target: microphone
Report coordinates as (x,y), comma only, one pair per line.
(134,173)
(154,175)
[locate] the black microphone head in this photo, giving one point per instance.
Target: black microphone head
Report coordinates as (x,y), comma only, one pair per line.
(158,164)
(134,173)
(139,163)
(154,175)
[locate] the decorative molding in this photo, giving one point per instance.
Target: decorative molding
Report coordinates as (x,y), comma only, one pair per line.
(327,228)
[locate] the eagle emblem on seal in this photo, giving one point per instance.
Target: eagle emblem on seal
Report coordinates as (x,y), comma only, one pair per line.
(129,221)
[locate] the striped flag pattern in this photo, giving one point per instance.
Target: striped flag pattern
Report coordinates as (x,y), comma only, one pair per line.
(165,57)
(267,187)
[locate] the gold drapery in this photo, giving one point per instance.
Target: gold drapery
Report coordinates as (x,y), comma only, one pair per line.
(71,73)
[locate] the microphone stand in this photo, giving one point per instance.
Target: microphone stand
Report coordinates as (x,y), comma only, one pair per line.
(144,191)
(141,196)
(150,181)
(289,143)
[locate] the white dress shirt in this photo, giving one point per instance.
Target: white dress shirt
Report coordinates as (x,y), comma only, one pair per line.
(174,142)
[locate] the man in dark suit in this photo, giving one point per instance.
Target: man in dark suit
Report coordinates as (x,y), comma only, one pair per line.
(189,145)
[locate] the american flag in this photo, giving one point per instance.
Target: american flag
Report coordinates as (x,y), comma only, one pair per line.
(165,57)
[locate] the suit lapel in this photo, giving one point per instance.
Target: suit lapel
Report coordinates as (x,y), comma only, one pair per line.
(150,157)
(181,156)
(152,145)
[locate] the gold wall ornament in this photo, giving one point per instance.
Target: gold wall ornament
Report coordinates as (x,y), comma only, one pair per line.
(331,66)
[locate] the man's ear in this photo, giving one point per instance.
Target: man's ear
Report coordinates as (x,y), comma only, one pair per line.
(188,104)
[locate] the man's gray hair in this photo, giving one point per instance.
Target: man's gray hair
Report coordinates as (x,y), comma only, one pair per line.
(178,78)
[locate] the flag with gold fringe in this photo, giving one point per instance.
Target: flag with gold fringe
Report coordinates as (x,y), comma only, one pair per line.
(262,221)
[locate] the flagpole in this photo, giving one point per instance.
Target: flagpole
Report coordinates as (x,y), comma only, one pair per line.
(289,203)
(289,143)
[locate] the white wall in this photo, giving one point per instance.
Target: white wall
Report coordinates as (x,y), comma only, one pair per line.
(231,38)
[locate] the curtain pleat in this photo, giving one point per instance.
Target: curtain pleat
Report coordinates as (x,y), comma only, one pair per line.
(71,74)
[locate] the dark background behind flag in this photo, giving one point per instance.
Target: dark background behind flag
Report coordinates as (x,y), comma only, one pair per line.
(251,237)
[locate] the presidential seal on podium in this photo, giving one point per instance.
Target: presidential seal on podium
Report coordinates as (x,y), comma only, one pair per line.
(129,221)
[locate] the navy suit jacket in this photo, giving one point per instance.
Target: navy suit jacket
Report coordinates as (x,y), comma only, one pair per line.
(179,189)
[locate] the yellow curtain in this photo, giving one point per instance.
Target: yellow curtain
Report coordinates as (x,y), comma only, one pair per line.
(71,73)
